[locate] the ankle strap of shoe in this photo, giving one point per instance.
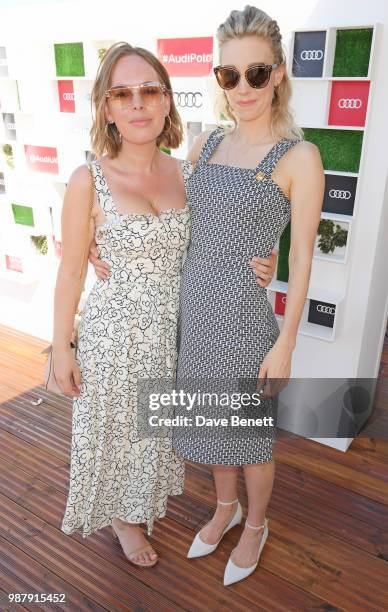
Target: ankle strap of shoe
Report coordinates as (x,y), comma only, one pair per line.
(252,527)
(226,503)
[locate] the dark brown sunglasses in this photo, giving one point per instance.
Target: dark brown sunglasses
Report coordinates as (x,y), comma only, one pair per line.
(257,76)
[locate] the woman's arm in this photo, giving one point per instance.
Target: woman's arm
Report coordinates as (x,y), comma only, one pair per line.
(77,227)
(307,189)
(306,195)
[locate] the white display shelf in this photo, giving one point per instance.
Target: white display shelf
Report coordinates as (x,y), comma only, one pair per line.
(329,78)
(333,258)
(320,332)
(341,173)
(336,217)
(71,78)
(333,127)
(310,99)
(314,293)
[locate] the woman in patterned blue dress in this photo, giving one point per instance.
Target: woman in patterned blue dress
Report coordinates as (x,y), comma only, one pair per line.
(247,185)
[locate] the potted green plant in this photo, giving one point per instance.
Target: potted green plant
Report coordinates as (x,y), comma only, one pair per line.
(8,154)
(101,52)
(331,235)
(40,243)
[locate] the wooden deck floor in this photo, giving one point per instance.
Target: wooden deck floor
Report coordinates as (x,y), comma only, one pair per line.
(327,548)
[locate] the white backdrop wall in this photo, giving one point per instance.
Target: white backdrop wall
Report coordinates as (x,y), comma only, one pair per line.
(356,354)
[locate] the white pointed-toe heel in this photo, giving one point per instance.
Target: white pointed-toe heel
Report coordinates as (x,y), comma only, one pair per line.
(200,548)
(234,573)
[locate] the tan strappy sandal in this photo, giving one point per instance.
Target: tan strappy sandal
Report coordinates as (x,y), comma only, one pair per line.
(137,551)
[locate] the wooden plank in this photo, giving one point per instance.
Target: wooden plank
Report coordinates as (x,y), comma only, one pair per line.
(336,471)
(32,459)
(33,431)
(27,542)
(5,604)
(371,447)
(24,575)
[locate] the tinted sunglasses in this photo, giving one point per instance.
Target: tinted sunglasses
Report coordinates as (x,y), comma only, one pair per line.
(257,76)
(151,94)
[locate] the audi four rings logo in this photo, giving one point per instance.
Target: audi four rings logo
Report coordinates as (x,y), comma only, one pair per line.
(326,309)
(188,99)
(349,103)
(340,194)
(68,96)
(311,54)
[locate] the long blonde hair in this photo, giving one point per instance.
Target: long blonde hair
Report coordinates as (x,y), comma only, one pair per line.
(254,22)
(105,137)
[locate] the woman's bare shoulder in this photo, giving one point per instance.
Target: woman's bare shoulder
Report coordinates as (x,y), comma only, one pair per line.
(305,151)
(80,189)
(80,177)
(198,145)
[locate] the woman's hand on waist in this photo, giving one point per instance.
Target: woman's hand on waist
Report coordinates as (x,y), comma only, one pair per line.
(101,268)
(264,269)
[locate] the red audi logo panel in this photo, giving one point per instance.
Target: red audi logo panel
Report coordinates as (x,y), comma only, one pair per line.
(348,103)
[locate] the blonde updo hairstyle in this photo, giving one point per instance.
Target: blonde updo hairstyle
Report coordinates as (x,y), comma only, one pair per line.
(105,137)
(254,22)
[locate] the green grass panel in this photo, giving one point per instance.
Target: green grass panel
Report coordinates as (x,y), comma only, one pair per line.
(69,59)
(352,52)
(340,149)
(23,215)
(284,249)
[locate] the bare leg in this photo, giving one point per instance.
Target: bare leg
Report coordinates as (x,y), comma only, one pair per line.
(131,537)
(225,478)
(259,480)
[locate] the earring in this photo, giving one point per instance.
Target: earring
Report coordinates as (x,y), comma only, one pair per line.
(106,129)
(169,125)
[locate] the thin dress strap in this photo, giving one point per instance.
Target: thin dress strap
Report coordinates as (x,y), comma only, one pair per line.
(104,195)
(211,143)
(187,169)
(268,163)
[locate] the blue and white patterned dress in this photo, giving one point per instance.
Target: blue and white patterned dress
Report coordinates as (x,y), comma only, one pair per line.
(127,332)
(227,324)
